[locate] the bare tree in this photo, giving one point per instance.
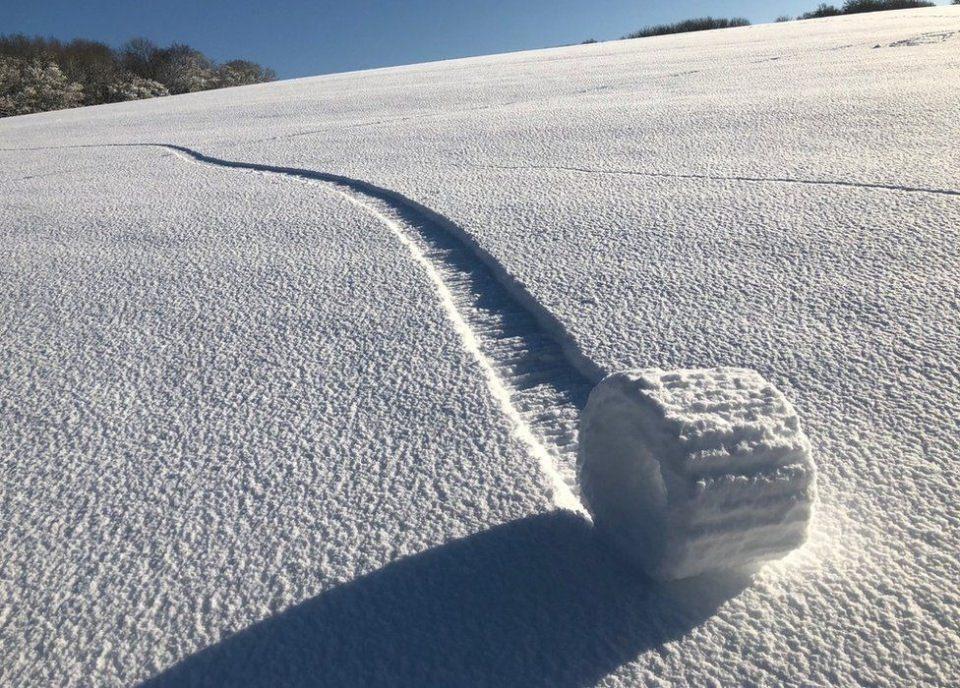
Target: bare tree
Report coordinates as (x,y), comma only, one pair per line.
(139,56)
(242,73)
(91,64)
(183,69)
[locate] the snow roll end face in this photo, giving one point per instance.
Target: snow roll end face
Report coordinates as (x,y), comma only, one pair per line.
(690,471)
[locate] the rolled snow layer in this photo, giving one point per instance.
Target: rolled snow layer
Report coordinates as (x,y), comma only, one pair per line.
(688,471)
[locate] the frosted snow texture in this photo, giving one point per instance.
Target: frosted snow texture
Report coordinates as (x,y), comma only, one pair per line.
(242,441)
(689,471)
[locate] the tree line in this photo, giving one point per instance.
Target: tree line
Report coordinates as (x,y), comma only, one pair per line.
(824,10)
(860,6)
(687,25)
(38,74)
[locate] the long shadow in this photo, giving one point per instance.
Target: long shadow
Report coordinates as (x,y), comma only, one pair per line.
(537,601)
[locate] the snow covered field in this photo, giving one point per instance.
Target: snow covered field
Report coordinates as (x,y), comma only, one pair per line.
(289,395)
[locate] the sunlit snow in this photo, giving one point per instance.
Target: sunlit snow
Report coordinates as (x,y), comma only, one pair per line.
(291,374)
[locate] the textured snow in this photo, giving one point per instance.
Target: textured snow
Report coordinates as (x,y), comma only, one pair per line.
(690,471)
(297,402)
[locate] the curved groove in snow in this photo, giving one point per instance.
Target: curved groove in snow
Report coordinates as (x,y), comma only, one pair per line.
(539,379)
(720,178)
(584,170)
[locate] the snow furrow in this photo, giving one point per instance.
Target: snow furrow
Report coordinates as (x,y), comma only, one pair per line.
(525,361)
(596,170)
(723,178)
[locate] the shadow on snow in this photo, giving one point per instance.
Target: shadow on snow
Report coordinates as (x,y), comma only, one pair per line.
(537,601)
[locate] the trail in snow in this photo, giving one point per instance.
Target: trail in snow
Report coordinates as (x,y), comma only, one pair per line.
(518,346)
(532,167)
(717,177)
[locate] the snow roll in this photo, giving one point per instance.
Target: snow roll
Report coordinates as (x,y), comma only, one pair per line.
(689,471)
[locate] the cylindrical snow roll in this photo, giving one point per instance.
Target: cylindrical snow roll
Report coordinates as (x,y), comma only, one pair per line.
(689,471)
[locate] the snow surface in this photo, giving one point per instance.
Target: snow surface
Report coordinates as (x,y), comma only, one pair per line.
(297,402)
(690,471)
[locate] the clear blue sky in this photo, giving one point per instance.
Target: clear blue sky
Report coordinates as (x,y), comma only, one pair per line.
(303,37)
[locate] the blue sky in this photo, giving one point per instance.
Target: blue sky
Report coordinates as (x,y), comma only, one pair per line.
(301,38)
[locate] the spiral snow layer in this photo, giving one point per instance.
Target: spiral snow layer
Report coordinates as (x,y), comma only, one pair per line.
(689,471)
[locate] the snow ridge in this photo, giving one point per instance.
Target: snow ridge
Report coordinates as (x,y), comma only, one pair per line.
(532,369)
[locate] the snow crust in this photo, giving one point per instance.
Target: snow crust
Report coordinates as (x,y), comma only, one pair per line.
(690,471)
(243,437)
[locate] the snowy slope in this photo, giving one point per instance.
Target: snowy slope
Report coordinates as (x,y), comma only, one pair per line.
(352,319)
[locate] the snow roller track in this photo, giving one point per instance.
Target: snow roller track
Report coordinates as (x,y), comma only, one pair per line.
(533,370)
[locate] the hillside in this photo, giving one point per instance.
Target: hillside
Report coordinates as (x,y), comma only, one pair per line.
(291,372)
